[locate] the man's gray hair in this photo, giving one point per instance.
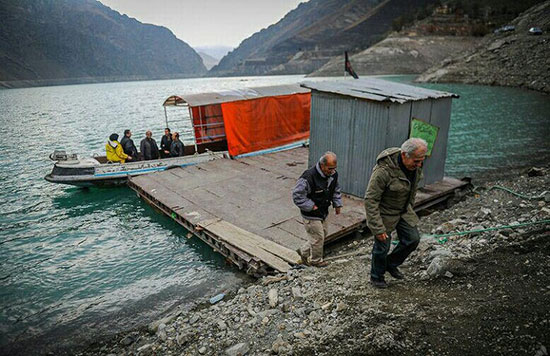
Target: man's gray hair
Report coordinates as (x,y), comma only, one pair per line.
(412,144)
(325,156)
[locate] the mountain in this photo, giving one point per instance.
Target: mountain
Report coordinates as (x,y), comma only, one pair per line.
(308,36)
(208,61)
(216,52)
(44,42)
(430,36)
(513,58)
(420,41)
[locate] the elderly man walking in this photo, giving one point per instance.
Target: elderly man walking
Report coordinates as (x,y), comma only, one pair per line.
(389,202)
(315,191)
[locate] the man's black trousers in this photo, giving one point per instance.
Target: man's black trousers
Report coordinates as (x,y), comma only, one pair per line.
(409,239)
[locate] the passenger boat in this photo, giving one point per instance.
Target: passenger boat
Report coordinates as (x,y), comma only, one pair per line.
(96,171)
(226,124)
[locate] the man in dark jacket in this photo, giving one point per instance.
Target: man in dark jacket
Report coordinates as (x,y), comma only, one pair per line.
(148,147)
(389,202)
(128,146)
(315,191)
(176,148)
(165,144)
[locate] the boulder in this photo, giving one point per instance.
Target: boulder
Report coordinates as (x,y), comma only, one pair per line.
(535,172)
(273,296)
(239,349)
(437,266)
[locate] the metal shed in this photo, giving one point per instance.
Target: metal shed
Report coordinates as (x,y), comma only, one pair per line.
(357,119)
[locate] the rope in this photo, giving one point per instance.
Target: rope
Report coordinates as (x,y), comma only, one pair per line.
(442,238)
(517,194)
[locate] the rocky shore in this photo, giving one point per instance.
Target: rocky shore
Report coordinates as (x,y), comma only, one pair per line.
(514,58)
(479,293)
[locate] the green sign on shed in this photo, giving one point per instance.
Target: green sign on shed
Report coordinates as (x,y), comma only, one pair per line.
(425,131)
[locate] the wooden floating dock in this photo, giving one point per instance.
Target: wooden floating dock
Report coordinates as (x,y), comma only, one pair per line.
(243,208)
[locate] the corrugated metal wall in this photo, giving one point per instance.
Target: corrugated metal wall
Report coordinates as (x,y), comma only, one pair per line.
(358,130)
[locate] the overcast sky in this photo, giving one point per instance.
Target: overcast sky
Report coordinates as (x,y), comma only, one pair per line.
(207,22)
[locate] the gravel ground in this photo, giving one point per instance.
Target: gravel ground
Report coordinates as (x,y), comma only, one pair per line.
(481,293)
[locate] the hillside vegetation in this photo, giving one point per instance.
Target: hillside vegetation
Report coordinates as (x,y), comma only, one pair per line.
(66,41)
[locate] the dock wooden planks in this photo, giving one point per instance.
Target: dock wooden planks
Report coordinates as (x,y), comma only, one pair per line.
(243,208)
(275,255)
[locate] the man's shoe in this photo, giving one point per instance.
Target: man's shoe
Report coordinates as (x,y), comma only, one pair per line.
(319,264)
(395,273)
(303,257)
(378,283)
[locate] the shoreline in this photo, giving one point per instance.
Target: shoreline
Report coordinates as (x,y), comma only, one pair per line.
(246,306)
(335,310)
(40,83)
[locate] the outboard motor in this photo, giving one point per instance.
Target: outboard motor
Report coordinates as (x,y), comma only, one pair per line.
(63,156)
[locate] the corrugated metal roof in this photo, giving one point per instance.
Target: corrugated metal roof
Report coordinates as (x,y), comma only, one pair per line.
(233,95)
(376,90)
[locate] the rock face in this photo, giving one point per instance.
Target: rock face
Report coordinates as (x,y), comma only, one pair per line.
(514,58)
(400,55)
(69,41)
(308,36)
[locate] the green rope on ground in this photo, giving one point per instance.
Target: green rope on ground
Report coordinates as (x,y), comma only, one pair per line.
(515,193)
(442,238)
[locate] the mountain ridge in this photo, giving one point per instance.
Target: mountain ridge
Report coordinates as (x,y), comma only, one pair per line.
(48,42)
(308,36)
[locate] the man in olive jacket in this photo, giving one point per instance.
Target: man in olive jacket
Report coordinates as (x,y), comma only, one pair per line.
(389,202)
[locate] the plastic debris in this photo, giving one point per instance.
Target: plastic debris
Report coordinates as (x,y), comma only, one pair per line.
(217,298)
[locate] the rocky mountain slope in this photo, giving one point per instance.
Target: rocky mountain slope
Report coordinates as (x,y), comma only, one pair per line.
(515,58)
(427,37)
(399,55)
(66,41)
(307,37)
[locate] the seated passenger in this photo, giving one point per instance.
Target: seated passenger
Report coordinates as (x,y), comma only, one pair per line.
(148,147)
(165,144)
(176,148)
(114,150)
(129,147)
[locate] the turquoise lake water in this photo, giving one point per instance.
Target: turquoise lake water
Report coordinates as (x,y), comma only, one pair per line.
(81,263)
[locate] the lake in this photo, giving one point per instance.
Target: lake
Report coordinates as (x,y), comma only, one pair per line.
(78,264)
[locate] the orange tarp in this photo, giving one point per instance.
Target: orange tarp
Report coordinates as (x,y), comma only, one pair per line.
(257,124)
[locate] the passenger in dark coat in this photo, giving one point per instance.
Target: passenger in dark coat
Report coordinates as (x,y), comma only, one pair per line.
(128,146)
(165,144)
(148,147)
(176,149)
